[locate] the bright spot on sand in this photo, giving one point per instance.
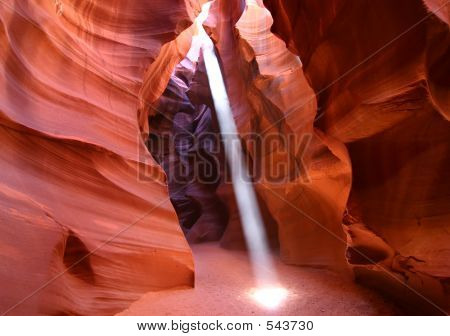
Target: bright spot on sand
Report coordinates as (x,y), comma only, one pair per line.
(269,297)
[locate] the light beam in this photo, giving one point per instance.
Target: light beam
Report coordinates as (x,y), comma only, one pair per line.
(267,293)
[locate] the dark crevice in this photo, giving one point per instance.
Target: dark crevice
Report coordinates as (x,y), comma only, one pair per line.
(77,259)
(185,140)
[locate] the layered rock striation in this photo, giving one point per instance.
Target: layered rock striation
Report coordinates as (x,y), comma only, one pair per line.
(342,107)
(86,221)
(380,70)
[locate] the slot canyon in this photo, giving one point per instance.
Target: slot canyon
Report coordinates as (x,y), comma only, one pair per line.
(117,187)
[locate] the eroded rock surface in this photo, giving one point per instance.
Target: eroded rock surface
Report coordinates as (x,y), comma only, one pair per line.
(382,83)
(342,106)
(77,181)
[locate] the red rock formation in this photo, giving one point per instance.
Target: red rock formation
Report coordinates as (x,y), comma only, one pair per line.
(357,127)
(380,70)
(77,180)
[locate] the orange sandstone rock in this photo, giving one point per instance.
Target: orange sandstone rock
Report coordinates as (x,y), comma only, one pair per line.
(77,181)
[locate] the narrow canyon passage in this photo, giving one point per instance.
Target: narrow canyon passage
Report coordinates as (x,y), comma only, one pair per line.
(116,195)
(270,86)
(224,283)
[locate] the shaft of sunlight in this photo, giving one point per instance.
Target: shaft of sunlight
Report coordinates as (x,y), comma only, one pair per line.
(267,293)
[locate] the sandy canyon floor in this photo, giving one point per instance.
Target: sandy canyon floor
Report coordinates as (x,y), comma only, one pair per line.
(224,281)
